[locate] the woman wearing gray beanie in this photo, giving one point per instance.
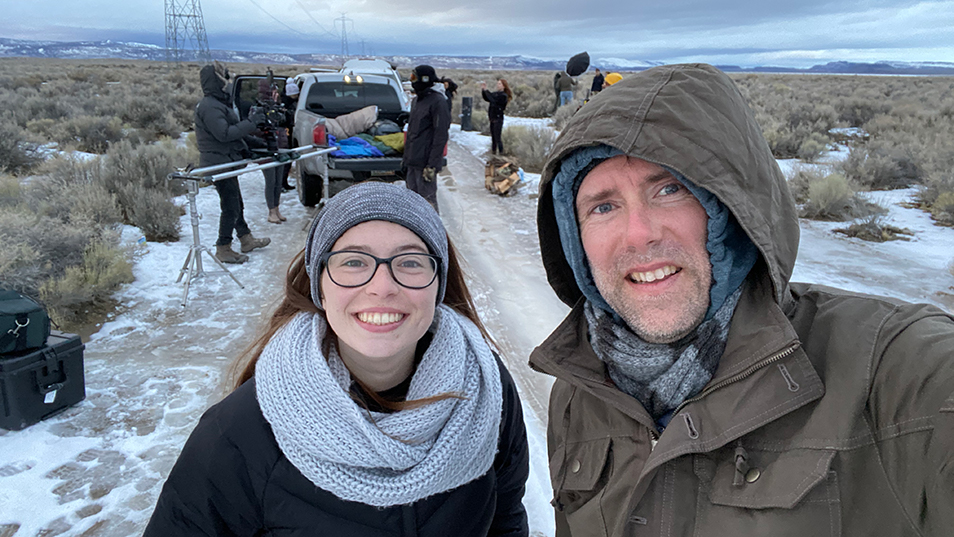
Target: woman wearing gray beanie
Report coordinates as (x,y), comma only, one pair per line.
(371,405)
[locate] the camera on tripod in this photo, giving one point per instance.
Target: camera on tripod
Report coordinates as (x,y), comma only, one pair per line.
(270,107)
(274,114)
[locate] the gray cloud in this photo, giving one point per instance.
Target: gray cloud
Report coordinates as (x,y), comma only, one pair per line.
(744,32)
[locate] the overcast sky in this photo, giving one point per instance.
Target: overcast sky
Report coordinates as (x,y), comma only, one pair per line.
(797,33)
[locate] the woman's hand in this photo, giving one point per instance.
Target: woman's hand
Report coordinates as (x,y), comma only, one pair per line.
(483,85)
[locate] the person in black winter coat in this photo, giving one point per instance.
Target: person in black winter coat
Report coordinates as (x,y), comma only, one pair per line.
(276,137)
(221,138)
(597,85)
(427,135)
(371,406)
(495,111)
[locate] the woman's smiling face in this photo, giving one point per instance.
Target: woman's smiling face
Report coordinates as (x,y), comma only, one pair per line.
(379,323)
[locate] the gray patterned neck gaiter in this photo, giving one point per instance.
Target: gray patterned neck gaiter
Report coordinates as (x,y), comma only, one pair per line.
(660,376)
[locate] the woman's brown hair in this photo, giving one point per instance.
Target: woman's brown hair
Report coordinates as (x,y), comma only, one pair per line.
(298,299)
(506,89)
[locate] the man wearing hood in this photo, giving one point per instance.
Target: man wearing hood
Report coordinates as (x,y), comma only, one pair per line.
(220,137)
(698,392)
(426,134)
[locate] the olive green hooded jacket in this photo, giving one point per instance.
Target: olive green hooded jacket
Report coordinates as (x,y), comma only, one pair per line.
(831,413)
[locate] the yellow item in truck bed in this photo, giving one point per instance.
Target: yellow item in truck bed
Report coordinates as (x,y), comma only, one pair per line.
(394,141)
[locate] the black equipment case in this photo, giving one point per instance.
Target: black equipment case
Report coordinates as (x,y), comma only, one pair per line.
(24,324)
(37,384)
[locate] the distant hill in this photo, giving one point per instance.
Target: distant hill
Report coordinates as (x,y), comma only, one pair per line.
(140,51)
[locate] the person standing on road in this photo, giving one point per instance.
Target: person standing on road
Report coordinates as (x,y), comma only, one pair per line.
(498,100)
(290,94)
(371,406)
(220,137)
(597,85)
(276,137)
(427,135)
(698,391)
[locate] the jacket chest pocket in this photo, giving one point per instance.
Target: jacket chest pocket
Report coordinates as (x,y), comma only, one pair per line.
(792,493)
(579,474)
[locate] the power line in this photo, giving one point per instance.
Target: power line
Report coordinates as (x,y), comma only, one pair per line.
(314,20)
(276,19)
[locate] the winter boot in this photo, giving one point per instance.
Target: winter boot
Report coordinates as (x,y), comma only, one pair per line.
(250,243)
(225,254)
(274,217)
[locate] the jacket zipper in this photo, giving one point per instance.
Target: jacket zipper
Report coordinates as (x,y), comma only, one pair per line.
(739,376)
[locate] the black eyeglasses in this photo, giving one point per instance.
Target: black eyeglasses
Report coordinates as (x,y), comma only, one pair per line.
(348,268)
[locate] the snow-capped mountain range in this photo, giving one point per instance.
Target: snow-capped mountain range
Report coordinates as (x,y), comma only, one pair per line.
(141,51)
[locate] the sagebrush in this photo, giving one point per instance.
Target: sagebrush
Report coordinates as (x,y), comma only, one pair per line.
(529,145)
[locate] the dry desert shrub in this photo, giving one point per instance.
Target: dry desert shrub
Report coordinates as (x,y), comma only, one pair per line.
(874,229)
(832,197)
(92,134)
(38,248)
(907,124)
(9,191)
(812,147)
(480,122)
(73,192)
(563,115)
(17,155)
(93,103)
(942,207)
(88,285)
(529,145)
(879,166)
(137,177)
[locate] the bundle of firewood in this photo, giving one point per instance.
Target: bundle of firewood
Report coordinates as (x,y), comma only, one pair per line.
(501,176)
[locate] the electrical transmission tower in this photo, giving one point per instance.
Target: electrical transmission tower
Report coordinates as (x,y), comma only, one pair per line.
(344,34)
(185,31)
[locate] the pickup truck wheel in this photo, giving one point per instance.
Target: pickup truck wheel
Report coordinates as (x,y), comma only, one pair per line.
(309,189)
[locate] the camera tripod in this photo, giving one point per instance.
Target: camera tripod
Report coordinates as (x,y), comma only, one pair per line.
(193,262)
(192,267)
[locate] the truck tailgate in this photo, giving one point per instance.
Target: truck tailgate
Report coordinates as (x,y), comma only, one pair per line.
(365,164)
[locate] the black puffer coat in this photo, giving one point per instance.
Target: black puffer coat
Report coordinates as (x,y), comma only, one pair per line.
(218,132)
(233,480)
(427,131)
(498,103)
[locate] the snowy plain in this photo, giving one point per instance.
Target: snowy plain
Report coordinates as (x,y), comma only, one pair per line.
(154,367)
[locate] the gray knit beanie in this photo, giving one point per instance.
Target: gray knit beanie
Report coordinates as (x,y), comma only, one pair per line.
(374,201)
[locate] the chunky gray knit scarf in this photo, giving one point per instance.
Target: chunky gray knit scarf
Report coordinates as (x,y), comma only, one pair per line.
(660,376)
(374,458)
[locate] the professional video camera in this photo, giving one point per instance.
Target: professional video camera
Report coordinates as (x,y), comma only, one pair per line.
(275,113)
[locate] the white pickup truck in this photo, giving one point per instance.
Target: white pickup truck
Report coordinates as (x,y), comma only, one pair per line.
(359,83)
(329,94)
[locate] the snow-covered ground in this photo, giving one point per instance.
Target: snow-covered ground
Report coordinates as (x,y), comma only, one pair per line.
(96,469)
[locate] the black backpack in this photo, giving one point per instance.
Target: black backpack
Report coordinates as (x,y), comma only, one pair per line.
(24,324)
